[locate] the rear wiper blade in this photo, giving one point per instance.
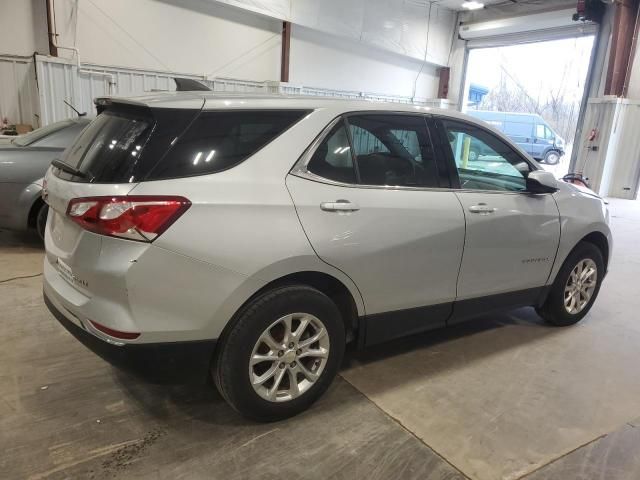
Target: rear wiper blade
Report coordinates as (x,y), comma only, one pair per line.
(65,167)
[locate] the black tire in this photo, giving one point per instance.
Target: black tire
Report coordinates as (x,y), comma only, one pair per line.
(552,157)
(231,364)
(553,310)
(41,220)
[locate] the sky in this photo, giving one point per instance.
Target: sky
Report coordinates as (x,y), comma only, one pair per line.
(538,67)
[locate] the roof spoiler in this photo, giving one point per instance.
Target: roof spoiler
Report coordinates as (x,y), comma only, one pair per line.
(190,85)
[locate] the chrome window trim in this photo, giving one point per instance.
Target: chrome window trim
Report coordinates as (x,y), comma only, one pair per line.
(300,167)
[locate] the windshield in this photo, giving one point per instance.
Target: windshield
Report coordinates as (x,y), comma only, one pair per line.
(31,137)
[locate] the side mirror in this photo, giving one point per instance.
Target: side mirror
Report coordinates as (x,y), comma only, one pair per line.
(541,181)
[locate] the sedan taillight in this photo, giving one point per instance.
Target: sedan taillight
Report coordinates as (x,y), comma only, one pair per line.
(142,218)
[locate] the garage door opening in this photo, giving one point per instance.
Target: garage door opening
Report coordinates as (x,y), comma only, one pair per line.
(532,92)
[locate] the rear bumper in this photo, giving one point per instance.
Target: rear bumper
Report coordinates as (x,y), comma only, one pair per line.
(170,362)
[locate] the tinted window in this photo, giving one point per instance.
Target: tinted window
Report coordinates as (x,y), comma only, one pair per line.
(332,159)
(498,168)
(393,150)
(220,140)
(131,144)
(109,148)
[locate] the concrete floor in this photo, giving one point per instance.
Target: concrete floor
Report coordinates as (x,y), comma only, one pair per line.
(505,397)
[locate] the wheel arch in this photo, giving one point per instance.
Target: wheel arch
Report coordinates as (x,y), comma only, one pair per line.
(596,238)
(32,218)
(350,307)
(328,284)
(599,240)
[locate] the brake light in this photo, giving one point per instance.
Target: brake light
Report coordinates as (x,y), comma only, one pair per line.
(142,218)
(115,333)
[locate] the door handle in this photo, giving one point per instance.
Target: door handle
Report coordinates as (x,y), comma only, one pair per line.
(482,209)
(339,206)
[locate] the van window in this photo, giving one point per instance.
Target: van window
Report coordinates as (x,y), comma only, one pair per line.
(542,131)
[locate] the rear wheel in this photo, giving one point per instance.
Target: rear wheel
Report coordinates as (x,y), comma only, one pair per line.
(576,286)
(281,353)
(41,220)
(552,157)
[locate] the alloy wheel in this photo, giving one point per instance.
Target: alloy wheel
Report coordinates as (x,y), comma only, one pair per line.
(580,286)
(289,357)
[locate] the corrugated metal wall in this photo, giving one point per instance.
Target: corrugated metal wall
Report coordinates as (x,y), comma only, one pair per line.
(18,91)
(59,80)
(33,92)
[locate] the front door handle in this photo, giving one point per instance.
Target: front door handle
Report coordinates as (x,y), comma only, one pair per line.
(482,209)
(339,206)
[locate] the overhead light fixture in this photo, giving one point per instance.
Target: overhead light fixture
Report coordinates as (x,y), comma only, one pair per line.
(472,5)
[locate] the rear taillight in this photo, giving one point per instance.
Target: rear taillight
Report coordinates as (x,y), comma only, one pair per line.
(141,217)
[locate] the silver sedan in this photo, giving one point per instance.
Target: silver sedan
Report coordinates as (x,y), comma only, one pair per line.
(24,161)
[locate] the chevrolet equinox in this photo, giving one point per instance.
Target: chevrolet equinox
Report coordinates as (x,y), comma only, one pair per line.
(258,235)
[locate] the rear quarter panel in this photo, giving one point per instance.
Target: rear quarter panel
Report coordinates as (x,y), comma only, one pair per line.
(242,222)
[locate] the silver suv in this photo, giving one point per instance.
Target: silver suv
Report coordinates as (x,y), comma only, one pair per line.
(253,237)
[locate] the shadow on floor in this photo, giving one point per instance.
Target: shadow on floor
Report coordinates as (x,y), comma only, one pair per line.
(435,352)
(202,401)
(14,242)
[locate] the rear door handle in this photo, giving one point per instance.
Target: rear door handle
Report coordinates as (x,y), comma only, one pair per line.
(339,206)
(482,209)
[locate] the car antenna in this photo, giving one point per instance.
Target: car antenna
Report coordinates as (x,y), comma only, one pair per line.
(74,109)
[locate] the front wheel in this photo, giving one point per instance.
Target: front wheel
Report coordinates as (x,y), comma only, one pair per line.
(552,158)
(576,286)
(281,353)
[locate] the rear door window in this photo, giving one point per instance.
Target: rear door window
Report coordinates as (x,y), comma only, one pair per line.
(220,140)
(332,159)
(393,149)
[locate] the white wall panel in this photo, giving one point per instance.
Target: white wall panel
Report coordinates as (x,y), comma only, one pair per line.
(633,90)
(18,92)
(613,166)
(199,36)
(23,27)
(399,26)
(320,60)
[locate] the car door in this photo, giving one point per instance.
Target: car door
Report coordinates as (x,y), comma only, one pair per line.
(369,199)
(511,235)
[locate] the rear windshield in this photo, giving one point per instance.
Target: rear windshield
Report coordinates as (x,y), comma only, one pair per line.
(108,148)
(134,144)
